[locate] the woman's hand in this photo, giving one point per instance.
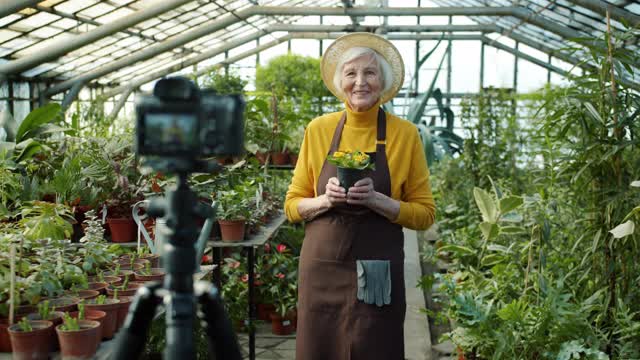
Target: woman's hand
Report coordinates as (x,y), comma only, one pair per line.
(335,193)
(362,193)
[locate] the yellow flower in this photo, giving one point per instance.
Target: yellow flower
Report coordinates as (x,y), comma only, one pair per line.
(360,158)
(338,154)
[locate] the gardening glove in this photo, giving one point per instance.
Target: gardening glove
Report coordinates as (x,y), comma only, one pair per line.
(374,281)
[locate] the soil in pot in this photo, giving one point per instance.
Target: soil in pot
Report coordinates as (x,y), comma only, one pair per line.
(32,345)
(154,259)
(80,344)
(98,286)
(282,325)
(232,230)
(64,304)
(122,274)
(83,294)
(131,289)
(122,229)
(111,280)
(156,275)
(110,307)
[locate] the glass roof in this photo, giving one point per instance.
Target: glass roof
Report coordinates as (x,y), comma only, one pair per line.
(32,30)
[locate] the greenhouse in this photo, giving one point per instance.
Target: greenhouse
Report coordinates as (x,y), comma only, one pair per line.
(311,180)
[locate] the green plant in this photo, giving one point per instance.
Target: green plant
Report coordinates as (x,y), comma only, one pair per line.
(44,310)
(43,220)
(25,325)
(81,310)
(281,279)
(235,288)
(223,83)
(69,323)
(351,160)
(233,204)
(101,299)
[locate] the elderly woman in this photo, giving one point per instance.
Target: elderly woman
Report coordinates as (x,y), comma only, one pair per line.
(351,301)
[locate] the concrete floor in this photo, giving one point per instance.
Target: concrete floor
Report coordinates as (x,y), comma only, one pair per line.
(416,327)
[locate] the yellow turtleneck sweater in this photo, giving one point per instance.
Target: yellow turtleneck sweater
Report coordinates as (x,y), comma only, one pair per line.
(405,156)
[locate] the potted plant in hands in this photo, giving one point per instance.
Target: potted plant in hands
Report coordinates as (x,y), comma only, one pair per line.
(79,339)
(352,166)
(232,214)
(31,339)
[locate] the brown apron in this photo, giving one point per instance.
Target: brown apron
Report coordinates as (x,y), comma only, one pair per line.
(332,323)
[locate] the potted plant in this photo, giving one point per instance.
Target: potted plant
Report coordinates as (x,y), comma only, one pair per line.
(235,292)
(128,288)
(94,315)
(149,274)
(31,339)
(47,313)
(352,166)
(79,339)
(110,307)
(232,214)
(284,290)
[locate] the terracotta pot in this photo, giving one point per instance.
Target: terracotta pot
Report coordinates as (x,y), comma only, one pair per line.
(83,294)
(122,229)
(280,158)
(5,340)
(109,279)
(232,230)
(293,159)
(136,266)
(132,287)
(55,317)
(123,310)
(81,344)
(282,325)
(110,321)
(94,315)
(64,304)
(98,286)
(264,310)
(123,274)
(25,309)
(156,275)
(262,157)
(154,259)
(32,345)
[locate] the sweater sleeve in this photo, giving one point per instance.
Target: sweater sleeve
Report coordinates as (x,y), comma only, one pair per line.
(417,208)
(302,184)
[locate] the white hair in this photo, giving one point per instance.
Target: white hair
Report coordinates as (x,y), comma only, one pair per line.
(386,73)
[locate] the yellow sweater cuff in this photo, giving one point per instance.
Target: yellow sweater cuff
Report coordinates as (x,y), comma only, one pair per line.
(292,211)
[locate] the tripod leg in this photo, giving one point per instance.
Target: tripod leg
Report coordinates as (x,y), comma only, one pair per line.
(131,338)
(223,343)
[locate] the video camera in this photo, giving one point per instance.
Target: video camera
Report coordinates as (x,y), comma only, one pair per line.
(180,123)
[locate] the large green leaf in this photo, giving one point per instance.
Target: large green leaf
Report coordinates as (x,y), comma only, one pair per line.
(486,205)
(489,230)
(37,118)
(26,149)
(510,203)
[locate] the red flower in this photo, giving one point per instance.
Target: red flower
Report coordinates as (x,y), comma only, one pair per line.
(267,247)
(258,283)
(280,275)
(281,248)
(207,259)
(245,278)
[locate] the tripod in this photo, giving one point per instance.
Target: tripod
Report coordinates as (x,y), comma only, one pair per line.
(178,293)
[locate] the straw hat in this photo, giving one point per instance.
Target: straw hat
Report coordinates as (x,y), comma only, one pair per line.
(362,39)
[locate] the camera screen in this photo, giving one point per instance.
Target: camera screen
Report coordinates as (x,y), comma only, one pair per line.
(171,131)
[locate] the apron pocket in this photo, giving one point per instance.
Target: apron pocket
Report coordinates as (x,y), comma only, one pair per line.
(326,286)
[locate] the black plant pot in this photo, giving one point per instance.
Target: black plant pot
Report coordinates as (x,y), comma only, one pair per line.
(348,177)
